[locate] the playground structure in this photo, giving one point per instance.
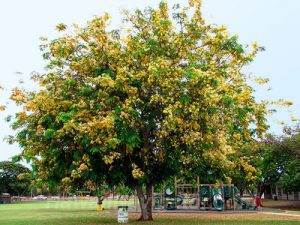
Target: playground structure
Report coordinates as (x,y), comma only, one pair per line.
(199,197)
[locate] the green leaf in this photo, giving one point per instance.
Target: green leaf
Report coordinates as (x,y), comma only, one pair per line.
(49,133)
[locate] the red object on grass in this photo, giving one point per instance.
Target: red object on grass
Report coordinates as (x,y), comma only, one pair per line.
(258,201)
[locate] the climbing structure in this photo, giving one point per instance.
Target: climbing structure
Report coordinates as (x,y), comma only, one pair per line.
(202,196)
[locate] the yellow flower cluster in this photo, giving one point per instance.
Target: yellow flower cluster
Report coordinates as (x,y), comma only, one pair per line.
(194,2)
(76,174)
(109,159)
(137,173)
(83,167)
(66,180)
(18,96)
(61,27)
(2,107)
(282,102)
(22,176)
(293,118)
(261,81)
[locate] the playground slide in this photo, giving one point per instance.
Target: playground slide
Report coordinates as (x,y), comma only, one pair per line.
(244,204)
(218,202)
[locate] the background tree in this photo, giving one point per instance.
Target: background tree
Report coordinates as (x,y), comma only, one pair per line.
(138,106)
(291,177)
(124,191)
(280,165)
(14,178)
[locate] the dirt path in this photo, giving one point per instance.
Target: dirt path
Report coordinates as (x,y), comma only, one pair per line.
(281,214)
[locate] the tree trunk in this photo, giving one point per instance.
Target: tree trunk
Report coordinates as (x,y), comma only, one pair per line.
(145,201)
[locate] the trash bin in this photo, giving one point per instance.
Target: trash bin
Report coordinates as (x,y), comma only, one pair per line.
(122,214)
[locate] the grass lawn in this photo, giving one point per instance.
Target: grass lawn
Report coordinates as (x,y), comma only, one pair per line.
(84,212)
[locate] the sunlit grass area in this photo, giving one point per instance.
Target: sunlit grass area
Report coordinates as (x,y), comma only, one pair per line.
(84,212)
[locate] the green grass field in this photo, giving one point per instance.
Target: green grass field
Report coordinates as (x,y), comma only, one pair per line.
(84,212)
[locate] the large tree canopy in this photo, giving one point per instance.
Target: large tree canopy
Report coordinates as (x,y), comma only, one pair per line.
(138,105)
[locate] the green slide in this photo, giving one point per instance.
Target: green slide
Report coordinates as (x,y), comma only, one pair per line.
(244,204)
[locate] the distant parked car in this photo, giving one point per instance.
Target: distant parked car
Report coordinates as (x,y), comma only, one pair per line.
(55,198)
(40,197)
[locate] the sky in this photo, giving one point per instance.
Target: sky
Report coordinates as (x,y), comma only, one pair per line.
(273,24)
